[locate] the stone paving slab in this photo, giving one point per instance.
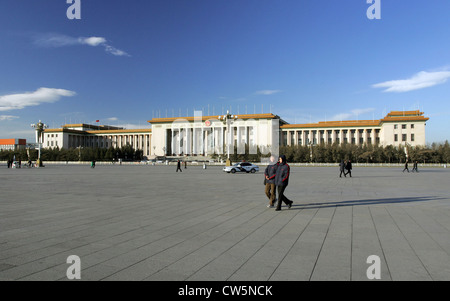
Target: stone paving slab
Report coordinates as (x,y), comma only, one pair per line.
(151,223)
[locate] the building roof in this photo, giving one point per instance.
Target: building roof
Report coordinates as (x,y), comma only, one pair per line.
(393,116)
(13,141)
(215,117)
(104,131)
(92,127)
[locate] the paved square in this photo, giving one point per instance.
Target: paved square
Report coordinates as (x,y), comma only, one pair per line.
(146,222)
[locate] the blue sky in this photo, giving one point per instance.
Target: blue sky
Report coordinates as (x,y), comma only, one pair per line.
(125,62)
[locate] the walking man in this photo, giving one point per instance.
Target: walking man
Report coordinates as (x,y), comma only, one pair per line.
(406,166)
(415,166)
(348,166)
(282,181)
(179,166)
(269,175)
(342,168)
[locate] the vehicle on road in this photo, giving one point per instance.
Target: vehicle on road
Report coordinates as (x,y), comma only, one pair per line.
(241,167)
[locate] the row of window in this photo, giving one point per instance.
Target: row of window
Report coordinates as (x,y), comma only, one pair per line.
(404,126)
(404,137)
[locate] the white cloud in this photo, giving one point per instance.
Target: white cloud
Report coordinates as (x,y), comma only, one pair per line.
(92,41)
(27,99)
(8,117)
(267,92)
(112,119)
(418,81)
(58,40)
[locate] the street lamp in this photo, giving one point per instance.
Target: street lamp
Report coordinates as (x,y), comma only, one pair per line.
(227,119)
(40,127)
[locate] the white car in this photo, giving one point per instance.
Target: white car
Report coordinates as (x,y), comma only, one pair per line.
(242,167)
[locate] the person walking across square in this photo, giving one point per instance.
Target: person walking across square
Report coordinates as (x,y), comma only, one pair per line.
(406,166)
(342,169)
(282,181)
(269,176)
(348,167)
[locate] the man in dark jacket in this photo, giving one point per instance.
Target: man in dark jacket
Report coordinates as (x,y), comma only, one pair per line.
(348,166)
(342,169)
(179,166)
(406,166)
(282,181)
(269,175)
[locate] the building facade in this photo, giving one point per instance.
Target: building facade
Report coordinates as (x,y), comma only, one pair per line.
(86,135)
(12,144)
(208,135)
(397,128)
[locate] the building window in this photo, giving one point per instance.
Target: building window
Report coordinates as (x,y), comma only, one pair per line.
(403,137)
(412,126)
(412,137)
(395,126)
(395,137)
(404,126)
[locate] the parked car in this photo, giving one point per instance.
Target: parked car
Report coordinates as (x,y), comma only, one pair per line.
(242,167)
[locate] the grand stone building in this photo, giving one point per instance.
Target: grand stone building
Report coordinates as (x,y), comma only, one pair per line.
(397,128)
(103,136)
(207,135)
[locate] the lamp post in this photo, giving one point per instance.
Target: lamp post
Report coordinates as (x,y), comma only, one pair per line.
(227,120)
(40,127)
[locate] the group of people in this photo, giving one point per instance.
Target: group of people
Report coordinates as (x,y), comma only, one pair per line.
(345,165)
(414,166)
(276,178)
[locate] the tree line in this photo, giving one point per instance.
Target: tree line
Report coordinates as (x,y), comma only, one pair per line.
(323,153)
(74,154)
(367,153)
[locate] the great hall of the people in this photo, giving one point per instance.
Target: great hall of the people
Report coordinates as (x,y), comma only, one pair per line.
(208,135)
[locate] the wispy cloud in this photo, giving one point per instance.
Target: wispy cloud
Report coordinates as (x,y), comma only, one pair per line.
(352,114)
(112,119)
(27,99)
(59,40)
(267,92)
(418,81)
(8,117)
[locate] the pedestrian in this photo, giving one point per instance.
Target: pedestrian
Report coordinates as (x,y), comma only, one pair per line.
(415,166)
(282,181)
(269,181)
(179,166)
(348,167)
(342,168)
(185,164)
(93,164)
(406,166)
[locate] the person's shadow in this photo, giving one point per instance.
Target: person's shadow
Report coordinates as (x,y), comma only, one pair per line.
(367,202)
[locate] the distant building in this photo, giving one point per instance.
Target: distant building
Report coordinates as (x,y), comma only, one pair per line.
(208,135)
(101,136)
(397,128)
(13,144)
